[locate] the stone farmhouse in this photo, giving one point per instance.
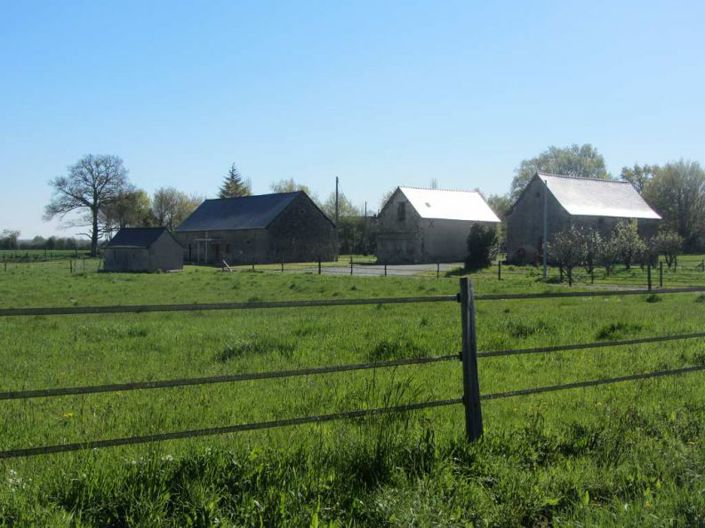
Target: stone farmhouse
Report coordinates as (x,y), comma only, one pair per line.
(143,249)
(567,200)
(418,226)
(267,228)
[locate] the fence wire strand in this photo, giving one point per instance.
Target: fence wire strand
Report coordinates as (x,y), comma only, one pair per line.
(86,310)
(596,344)
(592,383)
(228,378)
(212,431)
(255,376)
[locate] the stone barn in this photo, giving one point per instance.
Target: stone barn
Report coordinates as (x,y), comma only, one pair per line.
(267,228)
(144,249)
(570,200)
(417,226)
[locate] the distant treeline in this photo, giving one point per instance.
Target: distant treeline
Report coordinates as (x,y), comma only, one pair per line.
(10,240)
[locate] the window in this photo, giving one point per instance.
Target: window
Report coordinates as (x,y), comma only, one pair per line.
(401,211)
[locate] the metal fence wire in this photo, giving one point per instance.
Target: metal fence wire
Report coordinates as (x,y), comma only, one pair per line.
(468,354)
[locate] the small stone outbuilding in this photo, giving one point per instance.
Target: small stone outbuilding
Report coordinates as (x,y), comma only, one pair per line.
(417,226)
(143,249)
(561,201)
(261,229)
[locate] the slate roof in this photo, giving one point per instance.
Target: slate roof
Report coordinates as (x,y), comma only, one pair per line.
(592,197)
(136,237)
(246,212)
(440,204)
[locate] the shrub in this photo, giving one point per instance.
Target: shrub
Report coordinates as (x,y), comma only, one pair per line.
(482,246)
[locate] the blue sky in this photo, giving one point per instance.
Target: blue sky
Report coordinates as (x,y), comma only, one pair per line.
(379,93)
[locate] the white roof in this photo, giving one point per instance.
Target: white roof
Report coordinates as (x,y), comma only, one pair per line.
(591,197)
(439,204)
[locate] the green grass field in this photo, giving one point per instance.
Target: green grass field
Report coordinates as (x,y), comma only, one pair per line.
(623,454)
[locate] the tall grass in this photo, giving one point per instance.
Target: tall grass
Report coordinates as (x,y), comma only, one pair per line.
(627,454)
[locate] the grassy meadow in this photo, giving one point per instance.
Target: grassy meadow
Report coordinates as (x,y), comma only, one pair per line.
(623,454)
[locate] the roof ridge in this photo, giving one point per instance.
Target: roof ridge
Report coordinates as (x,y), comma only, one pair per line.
(574,177)
(443,190)
(251,196)
(143,228)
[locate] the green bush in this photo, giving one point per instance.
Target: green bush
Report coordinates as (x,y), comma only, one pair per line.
(482,246)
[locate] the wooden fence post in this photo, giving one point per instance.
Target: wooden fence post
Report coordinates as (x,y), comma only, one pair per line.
(660,274)
(499,270)
(438,270)
(351,265)
(282,265)
(471,384)
(385,270)
(70,265)
(319,266)
(648,276)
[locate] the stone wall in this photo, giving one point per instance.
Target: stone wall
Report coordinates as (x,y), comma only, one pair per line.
(301,233)
(524,231)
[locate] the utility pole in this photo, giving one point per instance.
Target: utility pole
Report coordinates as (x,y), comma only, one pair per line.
(545,230)
(337,204)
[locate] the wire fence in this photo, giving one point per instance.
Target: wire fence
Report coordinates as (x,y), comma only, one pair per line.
(646,276)
(468,354)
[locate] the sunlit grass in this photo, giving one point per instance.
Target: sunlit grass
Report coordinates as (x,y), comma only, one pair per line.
(621,454)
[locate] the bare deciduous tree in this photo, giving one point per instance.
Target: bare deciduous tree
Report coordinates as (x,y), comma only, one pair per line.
(92,183)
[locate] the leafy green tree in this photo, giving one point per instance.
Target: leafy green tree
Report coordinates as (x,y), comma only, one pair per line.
(576,160)
(289,185)
(568,249)
(677,192)
(500,204)
(92,184)
(170,206)
(669,244)
(130,209)
(608,254)
(639,175)
(593,245)
(482,247)
(345,207)
(234,186)
(8,239)
(628,242)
